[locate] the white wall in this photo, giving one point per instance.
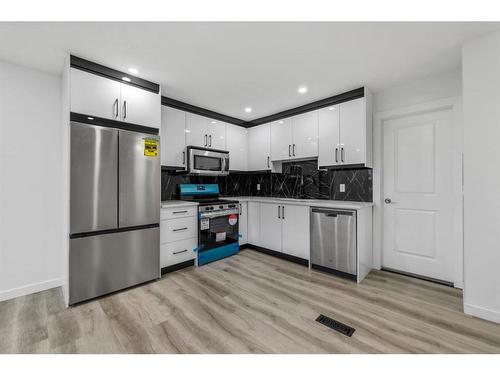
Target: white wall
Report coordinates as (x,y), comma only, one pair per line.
(439,86)
(30,181)
(481,101)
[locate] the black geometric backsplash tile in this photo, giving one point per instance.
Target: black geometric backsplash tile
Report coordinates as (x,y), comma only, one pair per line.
(298,180)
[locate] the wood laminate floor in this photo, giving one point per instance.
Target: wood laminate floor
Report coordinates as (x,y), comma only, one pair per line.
(251,303)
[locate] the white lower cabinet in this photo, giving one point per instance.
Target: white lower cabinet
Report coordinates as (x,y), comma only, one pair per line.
(253,223)
(243,224)
(295,230)
(283,228)
(178,235)
(270,226)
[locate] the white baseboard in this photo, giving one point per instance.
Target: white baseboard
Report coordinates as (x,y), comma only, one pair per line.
(30,288)
(482,312)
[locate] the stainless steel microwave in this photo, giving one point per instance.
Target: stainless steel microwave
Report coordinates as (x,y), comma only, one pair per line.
(207,161)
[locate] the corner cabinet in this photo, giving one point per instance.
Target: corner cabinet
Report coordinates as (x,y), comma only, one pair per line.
(259,148)
(345,134)
(237,145)
(94,95)
(173,137)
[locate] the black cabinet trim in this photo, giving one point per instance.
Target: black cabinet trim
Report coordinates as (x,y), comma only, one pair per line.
(176,267)
(277,254)
(332,100)
(104,71)
(93,120)
(177,104)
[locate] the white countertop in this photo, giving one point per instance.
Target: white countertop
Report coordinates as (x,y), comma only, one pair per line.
(348,205)
(177,203)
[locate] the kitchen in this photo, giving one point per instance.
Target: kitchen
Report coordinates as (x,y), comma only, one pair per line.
(313,221)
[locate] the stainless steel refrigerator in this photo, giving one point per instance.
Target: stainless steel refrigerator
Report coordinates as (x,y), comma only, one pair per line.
(114,210)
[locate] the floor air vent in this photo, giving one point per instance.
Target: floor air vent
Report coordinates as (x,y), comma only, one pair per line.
(337,326)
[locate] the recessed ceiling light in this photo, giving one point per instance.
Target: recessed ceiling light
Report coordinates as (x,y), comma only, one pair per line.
(302,90)
(90,118)
(133,70)
(126,79)
(248,109)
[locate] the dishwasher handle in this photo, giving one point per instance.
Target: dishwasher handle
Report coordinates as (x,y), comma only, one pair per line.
(332,213)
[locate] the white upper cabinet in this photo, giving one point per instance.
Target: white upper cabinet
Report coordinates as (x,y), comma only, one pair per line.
(352,132)
(259,148)
(196,130)
(98,96)
(141,107)
(329,136)
(295,137)
(237,145)
(173,133)
(305,135)
(281,139)
(205,132)
(345,133)
(216,131)
(94,95)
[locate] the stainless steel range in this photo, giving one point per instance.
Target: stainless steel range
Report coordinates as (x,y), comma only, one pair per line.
(218,227)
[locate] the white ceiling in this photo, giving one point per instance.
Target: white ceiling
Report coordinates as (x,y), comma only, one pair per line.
(226,67)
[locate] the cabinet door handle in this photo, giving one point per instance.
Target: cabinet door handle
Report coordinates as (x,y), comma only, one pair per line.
(210,140)
(283,212)
(183,157)
(268,166)
(179,252)
(293,148)
(124,109)
(289,150)
(178,230)
(115,108)
(279,207)
(336,155)
(206,137)
(342,154)
(180,212)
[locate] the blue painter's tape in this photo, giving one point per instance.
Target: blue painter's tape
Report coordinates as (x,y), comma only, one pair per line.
(198,189)
(217,253)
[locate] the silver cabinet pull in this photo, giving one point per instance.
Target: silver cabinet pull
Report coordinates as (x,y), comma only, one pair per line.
(268,162)
(180,212)
(178,230)
(336,155)
(293,148)
(124,109)
(283,212)
(210,140)
(206,140)
(342,154)
(279,217)
(115,108)
(289,150)
(183,157)
(179,252)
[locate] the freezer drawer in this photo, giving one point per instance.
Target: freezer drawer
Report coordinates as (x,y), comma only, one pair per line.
(108,262)
(94,178)
(139,174)
(333,239)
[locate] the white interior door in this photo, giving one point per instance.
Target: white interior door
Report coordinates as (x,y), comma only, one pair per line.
(421,230)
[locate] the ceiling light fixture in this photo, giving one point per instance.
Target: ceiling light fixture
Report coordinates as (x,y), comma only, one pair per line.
(248,109)
(133,71)
(302,90)
(126,79)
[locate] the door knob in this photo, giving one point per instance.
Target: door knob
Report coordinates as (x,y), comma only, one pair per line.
(387,200)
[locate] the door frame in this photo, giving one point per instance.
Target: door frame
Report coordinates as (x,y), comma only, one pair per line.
(455,105)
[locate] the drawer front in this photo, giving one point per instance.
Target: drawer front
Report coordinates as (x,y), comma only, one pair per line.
(178,229)
(177,252)
(177,212)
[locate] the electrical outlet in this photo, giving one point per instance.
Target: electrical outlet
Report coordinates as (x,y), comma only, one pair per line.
(258,187)
(342,188)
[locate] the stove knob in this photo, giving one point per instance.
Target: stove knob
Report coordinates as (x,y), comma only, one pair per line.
(221,207)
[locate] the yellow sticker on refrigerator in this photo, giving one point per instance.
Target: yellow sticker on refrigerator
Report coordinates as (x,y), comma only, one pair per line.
(150,147)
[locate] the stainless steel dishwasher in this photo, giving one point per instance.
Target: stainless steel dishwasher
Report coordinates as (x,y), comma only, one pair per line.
(333,241)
